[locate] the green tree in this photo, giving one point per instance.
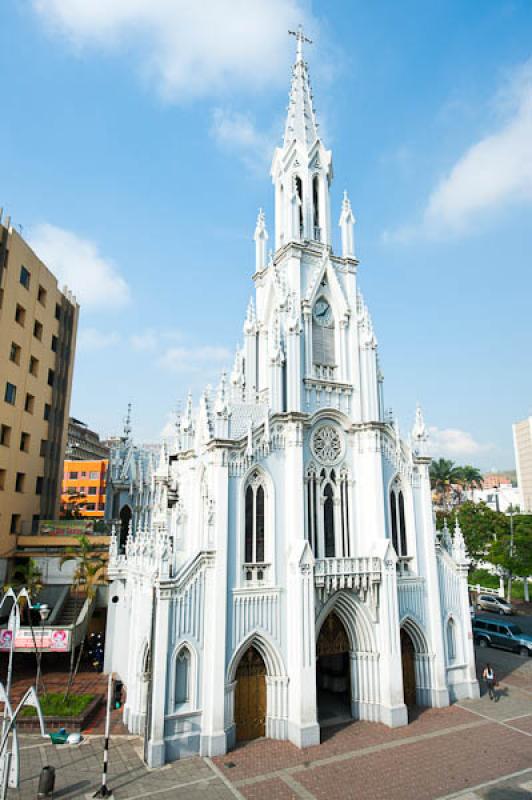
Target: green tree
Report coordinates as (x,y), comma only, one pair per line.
(512,552)
(481,526)
(85,581)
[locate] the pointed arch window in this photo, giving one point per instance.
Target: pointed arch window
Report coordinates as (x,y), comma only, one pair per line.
(451,640)
(327,512)
(398,520)
(182,677)
(254,524)
(316,208)
(299,193)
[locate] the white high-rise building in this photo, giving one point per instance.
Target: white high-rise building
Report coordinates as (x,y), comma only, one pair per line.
(291,574)
(523,461)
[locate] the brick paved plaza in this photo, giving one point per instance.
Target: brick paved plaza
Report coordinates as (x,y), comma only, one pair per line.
(477,749)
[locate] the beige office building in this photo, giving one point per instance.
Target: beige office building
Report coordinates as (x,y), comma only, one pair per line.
(523,461)
(38,325)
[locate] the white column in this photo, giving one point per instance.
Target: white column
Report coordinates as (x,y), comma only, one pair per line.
(159,662)
(426,553)
(293,367)
(213,738)
(303,728)
(393,711)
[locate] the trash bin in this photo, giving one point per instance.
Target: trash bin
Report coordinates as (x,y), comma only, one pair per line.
(46,782)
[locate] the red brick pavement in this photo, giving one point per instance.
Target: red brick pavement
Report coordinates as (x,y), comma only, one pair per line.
(267,755)
(274,789)
(425,769)
(521,723)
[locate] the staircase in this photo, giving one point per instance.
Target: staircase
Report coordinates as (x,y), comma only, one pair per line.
(70,611)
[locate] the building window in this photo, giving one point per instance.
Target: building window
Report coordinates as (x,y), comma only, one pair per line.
(55,340)
(43,448)
(73,476)
(451,641)
(14,353)
(24,442)
(182,677)
(35,523)
(51,377)
(398,521)
(15,523)
(316,207)
(19,482)
(41,295)
(10,395)
(25,277)
(5,435)
(2,479)
(39,484)
(91,507)
(37,329)
(47,409)
(101,506)
(327,512)
(254,520)
(57,311)
(34,366)
(94,476)
(299,193)
(20,315)
(29,403)
(92,490)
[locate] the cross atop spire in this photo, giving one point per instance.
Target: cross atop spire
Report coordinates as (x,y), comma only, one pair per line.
(301,121)
(300,38)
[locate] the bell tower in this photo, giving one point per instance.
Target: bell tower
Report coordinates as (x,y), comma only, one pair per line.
(302,168)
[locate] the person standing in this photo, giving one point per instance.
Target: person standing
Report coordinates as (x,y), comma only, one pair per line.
(489,677)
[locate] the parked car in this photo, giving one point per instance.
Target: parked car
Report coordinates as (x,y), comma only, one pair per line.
(506,635)
(491,602)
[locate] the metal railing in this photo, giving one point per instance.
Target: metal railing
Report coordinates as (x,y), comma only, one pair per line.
(347,573)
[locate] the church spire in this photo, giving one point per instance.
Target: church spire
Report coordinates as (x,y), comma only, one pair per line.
(301,123)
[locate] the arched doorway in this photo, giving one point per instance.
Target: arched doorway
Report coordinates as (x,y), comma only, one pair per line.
(250,696)
(409,669)
(333,681)
(125,519)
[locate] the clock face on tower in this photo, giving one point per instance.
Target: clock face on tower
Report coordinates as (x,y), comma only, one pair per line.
(322,312)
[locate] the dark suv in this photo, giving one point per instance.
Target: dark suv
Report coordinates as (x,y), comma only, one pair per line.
(505,635)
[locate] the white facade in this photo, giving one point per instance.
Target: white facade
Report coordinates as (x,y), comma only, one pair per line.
(287,498)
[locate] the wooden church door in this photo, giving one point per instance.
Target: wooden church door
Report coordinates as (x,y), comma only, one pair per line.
(409,669)
(250,697)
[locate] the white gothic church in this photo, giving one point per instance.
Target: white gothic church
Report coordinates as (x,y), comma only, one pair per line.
(291,574)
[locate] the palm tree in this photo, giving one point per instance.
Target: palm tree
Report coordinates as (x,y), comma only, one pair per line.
(444,473)
(84,581)
(472,477)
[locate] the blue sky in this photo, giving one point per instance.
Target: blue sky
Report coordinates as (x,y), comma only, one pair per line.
(136,138)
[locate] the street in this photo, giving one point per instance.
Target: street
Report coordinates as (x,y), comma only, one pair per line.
(472,750)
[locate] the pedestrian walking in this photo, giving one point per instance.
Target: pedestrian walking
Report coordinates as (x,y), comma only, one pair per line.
(489,677)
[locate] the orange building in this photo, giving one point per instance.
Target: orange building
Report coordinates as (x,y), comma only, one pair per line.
(84,486)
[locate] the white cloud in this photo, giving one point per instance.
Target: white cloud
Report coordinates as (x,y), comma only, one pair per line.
(186,49)
(237,133)
(77,263)
(91,339)
(454,443)
(204,359)
(494,172)
(145,342)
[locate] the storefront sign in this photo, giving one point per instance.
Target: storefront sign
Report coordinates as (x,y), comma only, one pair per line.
(50,639)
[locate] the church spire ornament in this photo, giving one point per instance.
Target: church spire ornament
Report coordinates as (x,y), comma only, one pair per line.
(346,225)
(261,241)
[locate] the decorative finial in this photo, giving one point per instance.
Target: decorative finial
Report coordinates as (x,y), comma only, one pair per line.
(127,423)
(300,38)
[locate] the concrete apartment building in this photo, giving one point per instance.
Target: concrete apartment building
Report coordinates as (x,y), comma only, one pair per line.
(38,325)
(523,460)
(83,443)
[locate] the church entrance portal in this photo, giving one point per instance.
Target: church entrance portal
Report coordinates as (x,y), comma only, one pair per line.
(333,681)
(409,669)
(250,696)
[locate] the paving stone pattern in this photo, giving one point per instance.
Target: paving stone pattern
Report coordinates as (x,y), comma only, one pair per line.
(475,750)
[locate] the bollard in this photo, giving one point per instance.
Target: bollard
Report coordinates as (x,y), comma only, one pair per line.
(46,782)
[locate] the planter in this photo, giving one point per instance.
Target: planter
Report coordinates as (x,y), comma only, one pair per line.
(72,724)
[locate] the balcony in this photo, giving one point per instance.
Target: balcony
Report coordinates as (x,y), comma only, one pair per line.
(404,567)
(361,575)
(255,574)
